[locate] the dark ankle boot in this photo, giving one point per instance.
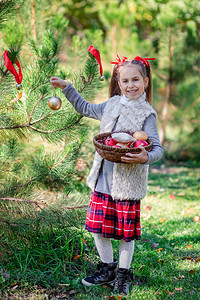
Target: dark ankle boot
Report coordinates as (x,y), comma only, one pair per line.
(105,274)
(123,280)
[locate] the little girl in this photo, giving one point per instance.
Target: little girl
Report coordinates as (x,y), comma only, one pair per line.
(117,188)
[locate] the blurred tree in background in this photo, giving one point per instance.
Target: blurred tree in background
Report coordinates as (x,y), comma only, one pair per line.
(166,29)
(169,31)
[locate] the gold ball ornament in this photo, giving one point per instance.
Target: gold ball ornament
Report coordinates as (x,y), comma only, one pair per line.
(102,78)
(55,103)
(18,86)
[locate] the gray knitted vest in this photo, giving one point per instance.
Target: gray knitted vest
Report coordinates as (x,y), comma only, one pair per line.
(129,181)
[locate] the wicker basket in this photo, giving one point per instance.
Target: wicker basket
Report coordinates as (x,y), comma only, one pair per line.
(114,154)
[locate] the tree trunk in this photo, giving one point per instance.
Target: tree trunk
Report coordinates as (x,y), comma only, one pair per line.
(114,40)
(34,20)
(168,89)
(164,112)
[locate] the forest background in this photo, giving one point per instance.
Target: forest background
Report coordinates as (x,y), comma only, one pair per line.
(45,161)
(167,30)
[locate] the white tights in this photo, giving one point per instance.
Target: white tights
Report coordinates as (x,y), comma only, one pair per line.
(105,250)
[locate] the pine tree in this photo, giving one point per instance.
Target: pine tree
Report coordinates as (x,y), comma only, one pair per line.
(27,168)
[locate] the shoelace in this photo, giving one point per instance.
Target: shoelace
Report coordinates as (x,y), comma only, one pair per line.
(121,281)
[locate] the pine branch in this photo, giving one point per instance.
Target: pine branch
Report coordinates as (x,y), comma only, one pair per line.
(37,203)
(46,54)
(29,125)
(42,118)
(61,161)
(91,69)
(26,183)
(74,207)
(7,9)
(56,130)
(8,223)
(15,127)
(89,79)
(30,117)
(3,74)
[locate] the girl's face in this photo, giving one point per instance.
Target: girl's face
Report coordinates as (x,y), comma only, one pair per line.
(131,82)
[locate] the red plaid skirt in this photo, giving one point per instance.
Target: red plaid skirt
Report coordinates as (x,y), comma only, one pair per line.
(113,218)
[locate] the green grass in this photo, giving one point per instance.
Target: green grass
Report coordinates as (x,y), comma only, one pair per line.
(40,262)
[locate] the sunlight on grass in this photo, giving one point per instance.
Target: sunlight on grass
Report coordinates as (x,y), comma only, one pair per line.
(165,263)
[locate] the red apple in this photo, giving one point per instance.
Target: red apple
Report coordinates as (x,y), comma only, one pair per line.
(110,142)
(141,142)
(116,146)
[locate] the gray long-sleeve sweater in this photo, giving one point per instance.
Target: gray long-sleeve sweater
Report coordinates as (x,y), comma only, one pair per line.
(95,111)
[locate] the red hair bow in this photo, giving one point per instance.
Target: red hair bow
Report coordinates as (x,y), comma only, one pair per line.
(144,60)
(119,61)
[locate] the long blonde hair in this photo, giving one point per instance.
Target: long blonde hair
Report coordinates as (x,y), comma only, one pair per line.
(145,71)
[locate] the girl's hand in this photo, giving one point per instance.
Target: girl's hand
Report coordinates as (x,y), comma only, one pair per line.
(138,158)
(58,82)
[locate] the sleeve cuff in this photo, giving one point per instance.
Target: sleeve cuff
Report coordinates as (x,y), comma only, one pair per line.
(148,161)
(66,88)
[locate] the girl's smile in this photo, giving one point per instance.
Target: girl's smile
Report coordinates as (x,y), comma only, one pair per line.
(131,82)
